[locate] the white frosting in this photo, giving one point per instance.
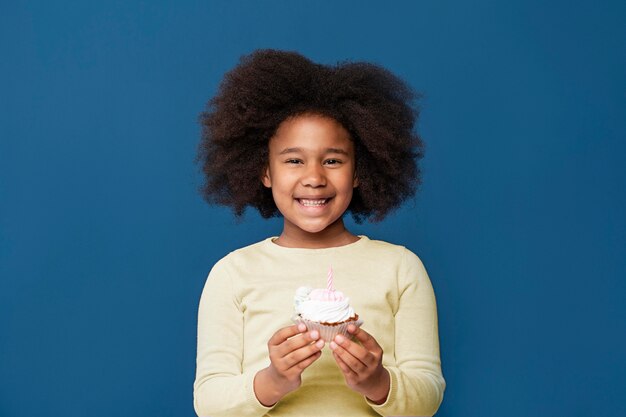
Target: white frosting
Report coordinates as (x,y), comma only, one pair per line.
(326,311)
(302,294)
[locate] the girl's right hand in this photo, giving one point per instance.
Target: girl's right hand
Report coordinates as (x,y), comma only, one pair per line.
(291,349)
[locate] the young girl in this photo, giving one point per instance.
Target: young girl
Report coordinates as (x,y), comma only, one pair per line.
(311,142)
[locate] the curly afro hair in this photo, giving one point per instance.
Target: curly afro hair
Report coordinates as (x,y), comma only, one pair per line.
(269,86)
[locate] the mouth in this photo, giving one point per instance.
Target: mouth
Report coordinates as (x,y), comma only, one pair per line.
(313,202)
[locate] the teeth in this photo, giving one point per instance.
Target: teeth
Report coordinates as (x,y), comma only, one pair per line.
(312,203)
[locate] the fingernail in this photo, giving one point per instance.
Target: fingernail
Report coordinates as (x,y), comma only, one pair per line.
(319,343)
(339,338)
(332,345)
(315,335)
(302,327)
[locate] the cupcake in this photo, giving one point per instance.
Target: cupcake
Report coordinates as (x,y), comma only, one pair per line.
(325,309)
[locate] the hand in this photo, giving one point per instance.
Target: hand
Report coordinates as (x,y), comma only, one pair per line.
(362,364)
(291,349)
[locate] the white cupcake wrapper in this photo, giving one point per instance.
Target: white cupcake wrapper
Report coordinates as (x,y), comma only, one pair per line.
(327,332)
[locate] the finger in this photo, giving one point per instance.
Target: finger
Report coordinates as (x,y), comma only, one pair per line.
(297,342)
(303,364)
(366,339)
(303,355)
(350,360)
(283,334)
(356,350)
(345,369)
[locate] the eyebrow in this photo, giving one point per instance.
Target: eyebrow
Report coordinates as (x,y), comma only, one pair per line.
(328,150)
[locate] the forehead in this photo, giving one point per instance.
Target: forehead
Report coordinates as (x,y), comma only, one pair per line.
(311,132)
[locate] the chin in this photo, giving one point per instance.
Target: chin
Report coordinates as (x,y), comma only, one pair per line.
(314,229)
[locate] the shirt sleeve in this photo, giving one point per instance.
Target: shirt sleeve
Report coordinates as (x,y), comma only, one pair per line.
(417,383)
(221,388)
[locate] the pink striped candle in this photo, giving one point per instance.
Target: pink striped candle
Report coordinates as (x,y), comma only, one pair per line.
(330,290)
(329,281)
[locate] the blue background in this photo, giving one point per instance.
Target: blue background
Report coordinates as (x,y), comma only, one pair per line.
(105,243)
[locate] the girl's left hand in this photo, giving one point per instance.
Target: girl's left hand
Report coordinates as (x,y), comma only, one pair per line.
(362,365)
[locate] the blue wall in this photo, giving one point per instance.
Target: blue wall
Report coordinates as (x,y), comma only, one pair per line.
(105,243)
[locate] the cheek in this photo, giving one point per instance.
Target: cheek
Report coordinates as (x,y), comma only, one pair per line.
(348,192)
(350,183)
(350,195)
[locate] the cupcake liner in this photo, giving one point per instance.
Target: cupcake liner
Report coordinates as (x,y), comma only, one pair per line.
(328,331)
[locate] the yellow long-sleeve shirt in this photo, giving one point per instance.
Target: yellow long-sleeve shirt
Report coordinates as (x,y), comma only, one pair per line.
(249,295)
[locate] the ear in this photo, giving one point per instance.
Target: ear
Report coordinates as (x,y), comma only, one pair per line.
(355,181)
(266,179)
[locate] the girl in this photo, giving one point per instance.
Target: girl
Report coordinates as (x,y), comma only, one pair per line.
(311,142)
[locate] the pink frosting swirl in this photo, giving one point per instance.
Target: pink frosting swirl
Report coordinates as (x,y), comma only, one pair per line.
(326,295)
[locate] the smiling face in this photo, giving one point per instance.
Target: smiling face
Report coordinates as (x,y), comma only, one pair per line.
(311,173)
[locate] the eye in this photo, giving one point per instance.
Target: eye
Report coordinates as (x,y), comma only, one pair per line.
(293,161)
(332,162)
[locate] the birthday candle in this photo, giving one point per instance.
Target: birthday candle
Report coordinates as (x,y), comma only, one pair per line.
(329,282)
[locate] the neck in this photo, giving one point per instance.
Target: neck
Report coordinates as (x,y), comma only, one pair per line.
(332,236)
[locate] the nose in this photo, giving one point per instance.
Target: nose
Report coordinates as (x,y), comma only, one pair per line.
(313,176)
